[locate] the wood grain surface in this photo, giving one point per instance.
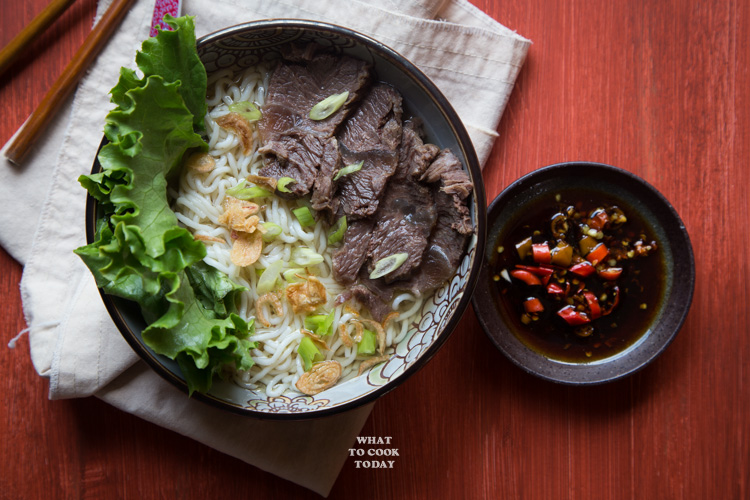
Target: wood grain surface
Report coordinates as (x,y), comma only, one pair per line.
(660,88)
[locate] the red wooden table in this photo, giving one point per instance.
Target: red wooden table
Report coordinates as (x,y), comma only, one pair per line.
(661,89)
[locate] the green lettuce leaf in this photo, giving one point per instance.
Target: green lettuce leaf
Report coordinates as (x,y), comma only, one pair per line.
(214,288)
(140,253)
(172,54)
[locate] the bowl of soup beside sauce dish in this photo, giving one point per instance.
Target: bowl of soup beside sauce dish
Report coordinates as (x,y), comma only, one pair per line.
(343,312)
(588,273)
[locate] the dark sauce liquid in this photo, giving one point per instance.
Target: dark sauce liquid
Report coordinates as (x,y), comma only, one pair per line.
(641,285)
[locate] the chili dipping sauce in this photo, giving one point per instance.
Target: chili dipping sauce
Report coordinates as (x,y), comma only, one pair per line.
(579,276)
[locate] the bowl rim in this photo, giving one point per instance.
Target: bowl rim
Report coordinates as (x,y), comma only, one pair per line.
(483,300)
(471,164)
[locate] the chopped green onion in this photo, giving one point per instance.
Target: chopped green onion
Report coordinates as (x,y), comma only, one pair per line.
(320,324)
(304,216)
(272,231)
(247,110)
(267,280)
(328,106)
(282,184)
(247,193)
(303,257)
(290,275)
(313,322)
(388,264)
(368,344)
(349,169)
(327,326)
(309,352)
(338,231)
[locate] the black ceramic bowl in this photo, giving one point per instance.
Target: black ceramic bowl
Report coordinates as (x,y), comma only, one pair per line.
(666,313)
(245,45)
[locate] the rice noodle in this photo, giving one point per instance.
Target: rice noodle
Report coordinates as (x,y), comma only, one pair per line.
(198,205)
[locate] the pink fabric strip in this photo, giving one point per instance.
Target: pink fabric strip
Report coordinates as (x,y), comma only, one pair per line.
(162,7)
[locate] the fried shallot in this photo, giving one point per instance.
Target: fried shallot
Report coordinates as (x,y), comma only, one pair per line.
(204,237)
(315,337)
(307,295)
(320,377)
(378,331)
(246,248)
(268,183)
(347,339)
(241,127)
(201,163)
(239,215)
(274,300)
(369,363)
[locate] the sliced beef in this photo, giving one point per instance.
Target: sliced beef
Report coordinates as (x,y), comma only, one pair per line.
(297,157)
(408,197)
(293,144)
(414,152)
(348,259)
(376,124)
(406,214)
(359,193)
(450,188)
(295,88)
(451,185)
(378,307)
(447,170)
(443,246)
(322,198)
(371,135)
(404,222)
(446,246)
(445,249)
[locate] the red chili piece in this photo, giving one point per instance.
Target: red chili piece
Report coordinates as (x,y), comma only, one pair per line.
(573,317)
(533,305)
(611,273)
(538,270)
(541,253)
(555,289)
(526,277)
(591,300)
(598,219)
(583,269)
(598,254)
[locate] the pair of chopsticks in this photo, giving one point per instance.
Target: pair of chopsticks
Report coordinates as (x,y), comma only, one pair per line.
(71,75)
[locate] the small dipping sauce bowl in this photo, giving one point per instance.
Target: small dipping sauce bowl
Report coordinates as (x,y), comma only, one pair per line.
(652,304)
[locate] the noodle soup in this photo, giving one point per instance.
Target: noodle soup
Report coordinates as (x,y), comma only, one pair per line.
(198,205)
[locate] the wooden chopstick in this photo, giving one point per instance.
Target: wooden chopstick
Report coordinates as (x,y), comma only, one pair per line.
(71,75)
(40,23)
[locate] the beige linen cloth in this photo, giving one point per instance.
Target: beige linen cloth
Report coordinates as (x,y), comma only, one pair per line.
(473,60)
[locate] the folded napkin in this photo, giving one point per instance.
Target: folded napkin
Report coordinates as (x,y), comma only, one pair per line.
(472,59)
